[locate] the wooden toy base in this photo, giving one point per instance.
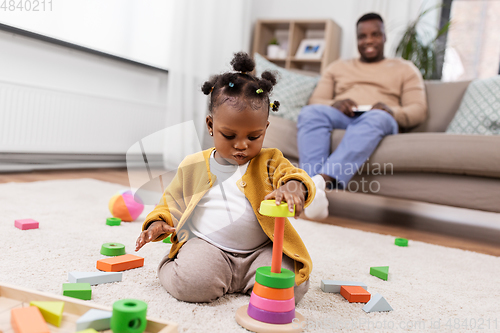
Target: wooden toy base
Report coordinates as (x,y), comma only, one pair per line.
(251,324)
(13,297)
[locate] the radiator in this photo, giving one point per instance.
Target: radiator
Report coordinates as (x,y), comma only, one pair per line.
(35,120)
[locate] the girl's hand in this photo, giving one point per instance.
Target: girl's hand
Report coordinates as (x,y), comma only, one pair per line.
(154,230)
(292,193)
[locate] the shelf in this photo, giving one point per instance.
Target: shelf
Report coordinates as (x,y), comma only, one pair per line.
(290,34)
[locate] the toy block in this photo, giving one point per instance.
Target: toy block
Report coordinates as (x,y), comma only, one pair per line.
(88,330)
(401,242)
(270,317)
(382,272)
(28,320)
(377,304)
(94,278)
(112,249)
(272,293)
(97,319)
(120,263)
(355,294)
(52,312)
(77,290)
(272,305)
(112,221)
(283,280)
(332,286)
(26,224)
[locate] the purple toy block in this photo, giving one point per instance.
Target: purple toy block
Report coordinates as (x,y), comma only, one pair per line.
(270,317)
(26,224)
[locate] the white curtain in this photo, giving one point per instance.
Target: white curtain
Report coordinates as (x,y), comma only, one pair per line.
(205,36)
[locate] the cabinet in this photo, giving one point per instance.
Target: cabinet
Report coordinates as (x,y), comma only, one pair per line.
(290,34)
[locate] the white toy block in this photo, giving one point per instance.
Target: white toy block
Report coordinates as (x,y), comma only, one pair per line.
(377,304)
(97,319)
(94,277)
(331,286)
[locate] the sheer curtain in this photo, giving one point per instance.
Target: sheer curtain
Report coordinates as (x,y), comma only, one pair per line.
(205,36)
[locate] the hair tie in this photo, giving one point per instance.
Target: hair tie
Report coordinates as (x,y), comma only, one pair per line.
(259,91)
(243,72)
(211,89)
(231,84)
(271,105)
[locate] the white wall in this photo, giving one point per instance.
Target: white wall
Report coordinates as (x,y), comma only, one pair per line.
(396,15)
(134,29)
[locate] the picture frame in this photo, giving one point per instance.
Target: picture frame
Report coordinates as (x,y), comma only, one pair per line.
(310,49)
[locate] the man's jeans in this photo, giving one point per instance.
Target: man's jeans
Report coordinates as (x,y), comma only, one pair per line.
(363,134)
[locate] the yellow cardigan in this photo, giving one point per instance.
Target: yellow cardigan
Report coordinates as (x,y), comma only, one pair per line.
(265,172)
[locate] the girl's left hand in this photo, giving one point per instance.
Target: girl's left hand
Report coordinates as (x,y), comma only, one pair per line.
(292,193)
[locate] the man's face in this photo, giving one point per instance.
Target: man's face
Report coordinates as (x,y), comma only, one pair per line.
(371,39)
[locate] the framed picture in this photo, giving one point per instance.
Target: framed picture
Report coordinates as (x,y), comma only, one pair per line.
(310,49)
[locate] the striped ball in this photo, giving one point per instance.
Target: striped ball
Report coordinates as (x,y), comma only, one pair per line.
(124,206)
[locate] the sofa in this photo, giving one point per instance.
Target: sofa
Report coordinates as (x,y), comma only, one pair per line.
(424,164)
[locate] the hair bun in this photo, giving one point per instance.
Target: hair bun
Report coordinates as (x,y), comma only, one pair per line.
(242,62)
(270,76)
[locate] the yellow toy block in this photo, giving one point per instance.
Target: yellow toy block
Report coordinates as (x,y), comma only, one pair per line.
(52,312)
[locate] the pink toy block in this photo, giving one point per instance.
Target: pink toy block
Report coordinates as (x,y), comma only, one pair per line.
(26,224)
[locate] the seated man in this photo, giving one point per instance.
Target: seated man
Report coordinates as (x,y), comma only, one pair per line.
(390,90)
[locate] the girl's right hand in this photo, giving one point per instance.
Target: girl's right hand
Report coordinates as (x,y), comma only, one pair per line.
(154,230)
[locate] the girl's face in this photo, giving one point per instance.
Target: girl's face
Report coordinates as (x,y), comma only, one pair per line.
(238,132)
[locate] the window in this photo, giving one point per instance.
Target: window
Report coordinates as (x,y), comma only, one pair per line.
(473,43)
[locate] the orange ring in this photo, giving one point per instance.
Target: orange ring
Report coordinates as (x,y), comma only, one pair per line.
(273,293)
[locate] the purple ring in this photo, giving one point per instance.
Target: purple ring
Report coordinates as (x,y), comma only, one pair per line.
(270,317)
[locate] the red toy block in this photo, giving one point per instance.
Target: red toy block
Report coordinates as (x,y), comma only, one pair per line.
(120,263)
(355,294)
(26,224)
(28,320)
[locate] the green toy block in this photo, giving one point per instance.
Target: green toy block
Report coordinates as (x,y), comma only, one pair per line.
(382,272)
(401,242)
(77,290)
(168,240)
(283,280)
(113,221)
(113,249)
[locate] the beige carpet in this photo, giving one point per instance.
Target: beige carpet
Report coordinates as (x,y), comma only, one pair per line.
(428,284)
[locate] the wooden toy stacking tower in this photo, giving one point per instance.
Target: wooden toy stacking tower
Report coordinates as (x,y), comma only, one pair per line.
(272,303)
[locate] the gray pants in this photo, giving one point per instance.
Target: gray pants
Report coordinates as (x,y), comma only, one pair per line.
(201,272)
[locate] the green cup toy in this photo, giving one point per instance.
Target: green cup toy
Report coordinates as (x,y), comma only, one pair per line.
(129,316)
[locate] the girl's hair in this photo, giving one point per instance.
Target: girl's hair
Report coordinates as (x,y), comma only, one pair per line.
(241,83)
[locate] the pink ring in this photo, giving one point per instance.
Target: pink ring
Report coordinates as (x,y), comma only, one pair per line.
(271,304)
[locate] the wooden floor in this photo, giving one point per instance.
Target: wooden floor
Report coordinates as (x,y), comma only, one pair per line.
(120,176)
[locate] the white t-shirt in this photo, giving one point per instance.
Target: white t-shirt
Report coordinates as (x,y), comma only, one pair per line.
(224,216)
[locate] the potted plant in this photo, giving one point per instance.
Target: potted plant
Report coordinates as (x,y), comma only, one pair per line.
(423,54)
(273,48)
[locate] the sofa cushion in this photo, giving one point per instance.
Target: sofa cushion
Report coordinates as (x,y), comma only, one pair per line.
(475,155)
(479,112)
(292,91)
(443,100)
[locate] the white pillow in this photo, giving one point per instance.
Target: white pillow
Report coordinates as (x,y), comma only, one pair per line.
(292,90)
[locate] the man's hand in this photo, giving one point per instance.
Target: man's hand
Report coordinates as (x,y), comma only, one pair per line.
(345,106)
(154,230)
(382,106)
(292,193)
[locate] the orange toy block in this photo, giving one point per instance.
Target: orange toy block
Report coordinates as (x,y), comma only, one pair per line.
(28,320)
(355,294)
(120,263)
